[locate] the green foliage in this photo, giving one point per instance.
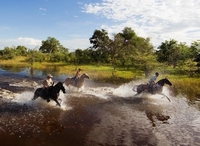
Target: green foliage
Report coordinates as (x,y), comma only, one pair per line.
(35,56)
(195,52)
(21,51)
(8,53)
(51,45)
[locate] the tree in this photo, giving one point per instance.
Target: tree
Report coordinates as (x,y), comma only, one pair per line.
(21,50)
(169,52)
(121,47)
(35,56)
(195,52)
(127,34)
(100,43)
(144,57)
(116,48)
(8,53)
(176,54)
(51,45)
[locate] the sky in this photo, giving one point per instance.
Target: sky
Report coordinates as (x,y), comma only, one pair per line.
(72,22)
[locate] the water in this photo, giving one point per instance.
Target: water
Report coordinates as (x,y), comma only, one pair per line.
(98,116)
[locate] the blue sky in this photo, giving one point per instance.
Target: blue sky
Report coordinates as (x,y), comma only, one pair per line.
(28,22)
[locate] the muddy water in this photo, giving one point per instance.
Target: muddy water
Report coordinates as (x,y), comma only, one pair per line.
(100,115)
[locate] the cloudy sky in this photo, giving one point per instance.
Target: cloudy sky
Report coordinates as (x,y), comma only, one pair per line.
(28,22)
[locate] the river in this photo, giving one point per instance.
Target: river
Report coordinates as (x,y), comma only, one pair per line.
(99,115)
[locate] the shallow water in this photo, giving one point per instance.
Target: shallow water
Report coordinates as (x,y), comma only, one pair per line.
(100,115)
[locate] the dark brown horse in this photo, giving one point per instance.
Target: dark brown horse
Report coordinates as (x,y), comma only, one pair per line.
(49,93)
(76,82)
(157,88)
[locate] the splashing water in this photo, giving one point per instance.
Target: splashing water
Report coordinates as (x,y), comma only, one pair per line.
(101,116)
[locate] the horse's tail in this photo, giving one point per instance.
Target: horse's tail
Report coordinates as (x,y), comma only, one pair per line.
(139,88)
(34,97)
(37,93)
(135,88)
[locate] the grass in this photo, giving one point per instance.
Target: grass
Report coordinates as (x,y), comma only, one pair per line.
(190,87)
(18,61)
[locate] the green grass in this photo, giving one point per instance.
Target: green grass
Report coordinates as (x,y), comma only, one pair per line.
(190,87)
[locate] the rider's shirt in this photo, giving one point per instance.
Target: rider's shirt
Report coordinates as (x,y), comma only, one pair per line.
(77,75)
(48,82)
(153,79)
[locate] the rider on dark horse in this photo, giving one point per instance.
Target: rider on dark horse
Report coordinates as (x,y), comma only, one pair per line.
(152,82)
(47,84)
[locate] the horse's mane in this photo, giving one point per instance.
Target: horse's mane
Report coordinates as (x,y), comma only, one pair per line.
(162,81)
(59,83)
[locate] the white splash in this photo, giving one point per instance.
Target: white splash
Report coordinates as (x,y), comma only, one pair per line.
(24,97)
(125,90)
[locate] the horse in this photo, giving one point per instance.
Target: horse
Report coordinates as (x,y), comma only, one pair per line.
(49,93)
(157,88)
(78,83)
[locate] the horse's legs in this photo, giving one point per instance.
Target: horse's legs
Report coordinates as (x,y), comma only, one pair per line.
(57,102)
(135,95)
(165,96)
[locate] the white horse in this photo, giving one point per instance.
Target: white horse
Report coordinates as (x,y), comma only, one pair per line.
(78,83)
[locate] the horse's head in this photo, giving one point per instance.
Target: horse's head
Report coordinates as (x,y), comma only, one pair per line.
(164,81)
(85,76)
(167,82)
(61,87)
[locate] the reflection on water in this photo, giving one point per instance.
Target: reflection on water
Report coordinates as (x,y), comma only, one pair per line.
(151,116)
(31,72)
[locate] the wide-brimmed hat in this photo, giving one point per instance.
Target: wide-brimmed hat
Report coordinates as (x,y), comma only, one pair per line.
(49,75)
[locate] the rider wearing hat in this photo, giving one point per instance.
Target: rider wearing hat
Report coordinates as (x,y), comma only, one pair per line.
(48,81)
(152,81)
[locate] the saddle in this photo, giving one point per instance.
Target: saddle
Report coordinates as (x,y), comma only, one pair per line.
(151,88)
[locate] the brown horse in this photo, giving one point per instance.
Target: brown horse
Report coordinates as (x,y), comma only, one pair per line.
(76,82)
(157,88)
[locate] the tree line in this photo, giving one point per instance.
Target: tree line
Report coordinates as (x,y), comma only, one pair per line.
(125,49)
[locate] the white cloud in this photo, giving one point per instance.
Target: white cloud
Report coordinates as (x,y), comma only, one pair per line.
(42,9)
(158,19)
(76,44)
(23,41)
(32,43)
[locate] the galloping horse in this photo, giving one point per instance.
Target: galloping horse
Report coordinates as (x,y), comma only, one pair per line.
(49,93)
(157,88)
(76,82)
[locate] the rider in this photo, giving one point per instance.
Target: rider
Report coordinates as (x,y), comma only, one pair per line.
(47,83)
(152,81)
(77,75)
